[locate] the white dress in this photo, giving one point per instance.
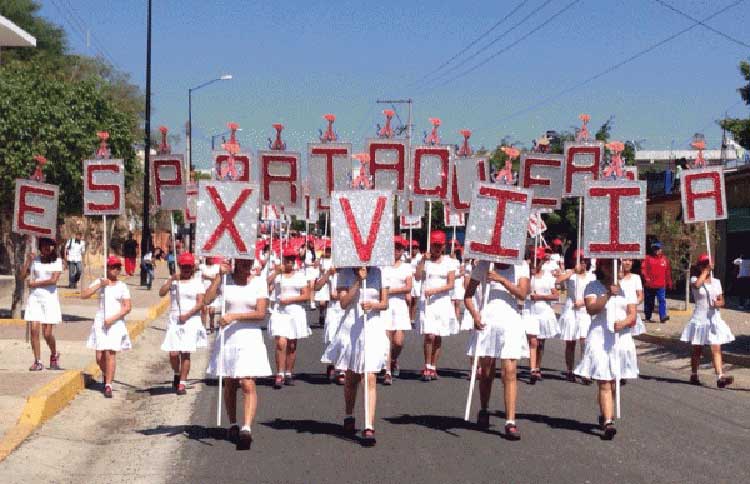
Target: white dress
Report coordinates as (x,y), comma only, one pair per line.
(185,337)
(541,317)
(43,304)
(324,294)
(504,335)
(333,314)
(603,349)
(416,286)
(396,317)
(706,326)
(244,354)
(114,338)
(630,286)
(436,313)
(574,323)
(457,293)
(347,350)
(289,320)
(210,271)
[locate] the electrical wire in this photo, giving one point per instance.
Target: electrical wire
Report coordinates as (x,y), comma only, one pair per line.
(702,24)
(473,42)
(617,65)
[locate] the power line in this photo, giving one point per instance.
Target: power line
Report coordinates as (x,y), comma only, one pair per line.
(493,42)
(473,42)
(690,17)
(95,40)
(617,65)
(512,44)
(78,28)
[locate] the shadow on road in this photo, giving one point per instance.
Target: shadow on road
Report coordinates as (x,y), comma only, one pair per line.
(557,422)
(198,433)
(309,426)
(444,423)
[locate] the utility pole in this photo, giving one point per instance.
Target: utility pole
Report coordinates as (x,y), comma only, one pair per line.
(146,228)
(720,258)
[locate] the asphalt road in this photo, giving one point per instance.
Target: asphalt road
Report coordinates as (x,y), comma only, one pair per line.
(670,431)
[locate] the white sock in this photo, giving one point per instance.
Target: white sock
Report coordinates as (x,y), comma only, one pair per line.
(183,382)
(510,422)
(281,374)
(245,428)
(430,367)
(288,373)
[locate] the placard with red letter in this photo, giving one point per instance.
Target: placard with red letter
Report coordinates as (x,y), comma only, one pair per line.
(330,166)
(582,163)
(703,193)
(544,175)
(227,219)
(280,174)
(410,207)
(236,168)
(388,164)
(103,187)
(170,191)
(413,222)
(191,205)
(35,208)
(452,218)
(614,219)
(496,229)
(362,228)
(430,172)
(465,172)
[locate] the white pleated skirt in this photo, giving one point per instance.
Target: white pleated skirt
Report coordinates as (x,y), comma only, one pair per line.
(707,330)
(334,314)
(438,317)
(504,336)
(114,338)
(396,317)
(45,310)
(545,319)
(574,323)
(601,357)
(324,294)
(347,350)
(290,324)
(458,289)
(244,354)
(186,337)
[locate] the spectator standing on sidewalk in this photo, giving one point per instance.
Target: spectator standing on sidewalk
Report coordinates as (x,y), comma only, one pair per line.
(147,266)
(657,277)
(743,280)
(75,247)
(130,252)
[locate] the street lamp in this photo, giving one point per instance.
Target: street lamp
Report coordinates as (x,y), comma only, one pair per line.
(224,77)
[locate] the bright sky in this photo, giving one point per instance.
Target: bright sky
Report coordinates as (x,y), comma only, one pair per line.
(293,61)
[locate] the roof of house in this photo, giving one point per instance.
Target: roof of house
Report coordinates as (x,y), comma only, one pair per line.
(11,35)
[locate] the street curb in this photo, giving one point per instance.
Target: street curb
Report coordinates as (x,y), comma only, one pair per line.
(683,347)
(12,322)
(47,401)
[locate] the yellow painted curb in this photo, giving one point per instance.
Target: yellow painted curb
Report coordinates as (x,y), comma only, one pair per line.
(12,322)
(46,402)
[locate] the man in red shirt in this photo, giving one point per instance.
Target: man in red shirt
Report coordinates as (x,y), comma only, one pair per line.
(657,277)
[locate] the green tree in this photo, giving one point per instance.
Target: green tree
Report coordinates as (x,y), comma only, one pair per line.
(740,128)
(50,38)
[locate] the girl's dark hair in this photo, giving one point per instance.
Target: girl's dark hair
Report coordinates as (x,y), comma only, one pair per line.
(600,274)
(697,268)
(44,241)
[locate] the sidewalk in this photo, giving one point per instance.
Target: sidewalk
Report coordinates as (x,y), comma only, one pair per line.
(737,352)
(18,384)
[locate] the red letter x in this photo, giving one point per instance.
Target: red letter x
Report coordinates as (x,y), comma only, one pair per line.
(227,219)
(364,250)
(614,195)
(495,247)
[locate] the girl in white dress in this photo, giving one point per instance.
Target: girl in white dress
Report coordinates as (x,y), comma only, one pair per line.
(333,318)
(244,357)
(499,333)
(185,332)
(633,288)
(416,286)
(43,304)
(288,321)
(611,313)
(208,272)
(396,316)
(323,291)
(467,322)
(347,350)
(541,317)
(457,294)
(437,318)
(574,320)
(109,333)
(310,265)
(706,327)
